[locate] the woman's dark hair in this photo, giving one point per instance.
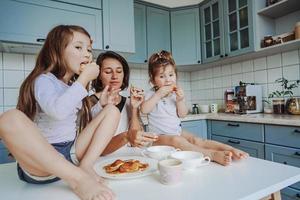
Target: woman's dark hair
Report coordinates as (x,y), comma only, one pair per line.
(158,60)
(97,83)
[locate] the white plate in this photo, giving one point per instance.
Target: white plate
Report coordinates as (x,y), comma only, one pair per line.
(98,167)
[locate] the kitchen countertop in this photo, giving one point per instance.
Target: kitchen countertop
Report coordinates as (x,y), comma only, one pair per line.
(288,120)
(248,179)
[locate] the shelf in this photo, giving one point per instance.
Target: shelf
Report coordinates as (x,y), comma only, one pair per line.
(262,52)
(280,9)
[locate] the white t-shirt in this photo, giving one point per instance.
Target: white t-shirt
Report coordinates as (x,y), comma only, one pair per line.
(57,107)
(124,119)
(163,119)
(122,127)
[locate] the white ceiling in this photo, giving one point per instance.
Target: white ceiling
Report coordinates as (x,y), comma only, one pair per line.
(174,3)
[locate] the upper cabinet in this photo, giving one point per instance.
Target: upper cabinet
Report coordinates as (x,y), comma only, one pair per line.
(30,21)
(185,31)
(118,25)
(226,28)
(158,30)
(152,32)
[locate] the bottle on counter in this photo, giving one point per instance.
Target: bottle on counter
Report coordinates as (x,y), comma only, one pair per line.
(229,100)
(195,109)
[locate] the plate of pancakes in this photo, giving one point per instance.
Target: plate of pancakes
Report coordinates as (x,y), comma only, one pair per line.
(125,167)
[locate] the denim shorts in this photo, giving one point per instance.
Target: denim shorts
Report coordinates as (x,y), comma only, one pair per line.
(66,149)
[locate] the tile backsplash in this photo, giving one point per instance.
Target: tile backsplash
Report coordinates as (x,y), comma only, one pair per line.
(205,86)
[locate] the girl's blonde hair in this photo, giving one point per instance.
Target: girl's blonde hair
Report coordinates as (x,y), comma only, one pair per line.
(51,59)
(158,60)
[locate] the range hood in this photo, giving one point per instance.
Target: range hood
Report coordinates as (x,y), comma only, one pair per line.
(12,47)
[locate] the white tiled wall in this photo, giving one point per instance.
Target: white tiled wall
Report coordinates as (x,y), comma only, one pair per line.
(208,85)
(203,87)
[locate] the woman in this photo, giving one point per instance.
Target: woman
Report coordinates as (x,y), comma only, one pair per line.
(114,77)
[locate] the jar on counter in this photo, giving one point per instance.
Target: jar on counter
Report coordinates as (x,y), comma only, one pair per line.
(229,100)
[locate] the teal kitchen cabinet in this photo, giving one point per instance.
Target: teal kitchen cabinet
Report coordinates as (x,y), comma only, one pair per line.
(152,32)
(158,30)
(283,146)
(245,136)
(86,3)
(118,25)
(4,154)
(226,28)
(255,149)
(197,127)
(140,55)
(185,31)
(30,21)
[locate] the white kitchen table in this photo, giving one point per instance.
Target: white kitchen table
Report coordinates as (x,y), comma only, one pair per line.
(249,179)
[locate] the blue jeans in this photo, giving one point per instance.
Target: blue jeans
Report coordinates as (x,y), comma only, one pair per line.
(63,148)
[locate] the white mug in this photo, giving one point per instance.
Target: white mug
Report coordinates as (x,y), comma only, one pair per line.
(214,108)
(170,171)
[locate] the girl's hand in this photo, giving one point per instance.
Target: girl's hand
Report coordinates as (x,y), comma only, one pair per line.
(136,96)
(90,71)
(179,94)
(109,96)
(164,90)
(140,138)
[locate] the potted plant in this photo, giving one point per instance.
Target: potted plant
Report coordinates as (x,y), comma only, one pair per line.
(279,96)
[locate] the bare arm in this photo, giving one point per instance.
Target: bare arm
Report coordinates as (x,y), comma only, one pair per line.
(182,110)
(148,105)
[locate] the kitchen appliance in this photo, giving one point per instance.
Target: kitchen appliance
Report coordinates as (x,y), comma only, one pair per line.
(249,99)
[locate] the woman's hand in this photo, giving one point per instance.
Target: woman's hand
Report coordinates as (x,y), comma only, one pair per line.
(179,94)
(136,96)
(139,138)
(109,96)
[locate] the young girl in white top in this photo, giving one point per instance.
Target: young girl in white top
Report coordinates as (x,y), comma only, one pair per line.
(41,133)
(113,78)
(165,104)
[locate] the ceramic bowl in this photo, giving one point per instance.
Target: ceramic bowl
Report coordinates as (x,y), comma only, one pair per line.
(159,152)
(191,159)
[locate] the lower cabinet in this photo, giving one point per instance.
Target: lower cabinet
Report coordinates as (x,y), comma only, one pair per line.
(290,194)
(255,149)
(197,127)
(248,137)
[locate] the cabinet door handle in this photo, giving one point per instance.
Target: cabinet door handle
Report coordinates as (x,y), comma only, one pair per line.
(226,54)
(107,47)
(198,61)
(145,61)
(221,56)
(296,131)
(234,141)
(297,153)
(298,195)
(234,125)
(40,40)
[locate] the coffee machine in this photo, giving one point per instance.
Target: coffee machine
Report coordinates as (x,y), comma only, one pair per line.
(249,99)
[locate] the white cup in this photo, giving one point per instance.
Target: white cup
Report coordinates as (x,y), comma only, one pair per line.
(170,171)
(191,159)
(158,152)
(214,108)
